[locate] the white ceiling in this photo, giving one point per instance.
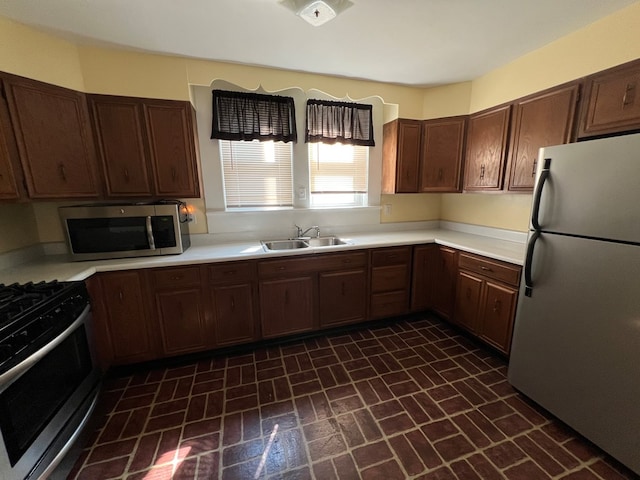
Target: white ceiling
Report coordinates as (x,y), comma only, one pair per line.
(413,42)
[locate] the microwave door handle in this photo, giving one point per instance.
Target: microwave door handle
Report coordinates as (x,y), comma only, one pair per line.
(152,243)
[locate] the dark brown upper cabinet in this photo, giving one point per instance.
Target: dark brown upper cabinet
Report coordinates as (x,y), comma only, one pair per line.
(442,151)
(53,133)
(486,150)
(172,145)
(540,120)
(612,101)
(147,147)
(401,155)
(11,187)
(120,138)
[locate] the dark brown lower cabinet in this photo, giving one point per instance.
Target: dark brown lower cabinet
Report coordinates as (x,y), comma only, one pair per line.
(124,333)
(179,308)
(286,306)
(445,269)
(234,302)
(390,281)
(183,327)
(343,297)
(486,297)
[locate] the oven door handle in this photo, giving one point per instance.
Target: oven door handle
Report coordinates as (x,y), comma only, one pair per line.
(152,242)
(14,373)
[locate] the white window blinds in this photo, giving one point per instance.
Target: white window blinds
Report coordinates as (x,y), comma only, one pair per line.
(338,173)
(257,174)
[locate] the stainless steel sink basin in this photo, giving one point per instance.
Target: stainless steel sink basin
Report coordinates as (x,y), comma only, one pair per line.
(285,244)
(293,244)
(325,241)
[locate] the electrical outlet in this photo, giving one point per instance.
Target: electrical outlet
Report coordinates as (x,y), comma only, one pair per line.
(387,209)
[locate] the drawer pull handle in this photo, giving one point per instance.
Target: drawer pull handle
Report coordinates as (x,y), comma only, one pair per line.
(233,303)
(230,272)
(176,277)
(481,171)
(343,289)
(120,295)
(282,268)
(496,305)
(486,269)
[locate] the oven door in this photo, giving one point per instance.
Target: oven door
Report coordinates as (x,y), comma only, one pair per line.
(45,401)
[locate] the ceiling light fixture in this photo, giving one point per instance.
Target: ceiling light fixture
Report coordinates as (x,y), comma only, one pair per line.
(317,12)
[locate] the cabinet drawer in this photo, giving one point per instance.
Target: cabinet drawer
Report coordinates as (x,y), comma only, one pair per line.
(389,304)
(495,269)
(173,277)
(232,272)
(390,256)
(386,279)
(272,268)
(340,261)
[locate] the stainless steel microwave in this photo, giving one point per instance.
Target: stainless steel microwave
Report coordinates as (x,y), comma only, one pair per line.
(115,231)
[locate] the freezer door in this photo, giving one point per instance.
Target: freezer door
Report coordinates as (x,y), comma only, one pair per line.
(591,189)
(576,343)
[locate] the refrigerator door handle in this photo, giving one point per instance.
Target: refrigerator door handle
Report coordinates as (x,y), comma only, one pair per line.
(535,209)
(528,281)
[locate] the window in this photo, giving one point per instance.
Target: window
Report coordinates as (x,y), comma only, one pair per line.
(257,174)
(338,174)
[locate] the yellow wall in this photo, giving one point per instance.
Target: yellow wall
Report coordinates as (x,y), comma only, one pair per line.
(31,53)
(410,207)
(610,41)
(17,227)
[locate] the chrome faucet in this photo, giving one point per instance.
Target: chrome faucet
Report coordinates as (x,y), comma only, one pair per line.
(300,233)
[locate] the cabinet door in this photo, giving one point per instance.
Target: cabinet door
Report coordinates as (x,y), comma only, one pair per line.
(544,120)
(424,278)
(612,101)
(446,269)
(182,323)
(233,314)
(121,319)
(286,306)
(486,149)
(172,147)
(468,294)
(401,156)
(9,174)
(497,315)
(342,297)
(120,142)
(54,139)
(441,161)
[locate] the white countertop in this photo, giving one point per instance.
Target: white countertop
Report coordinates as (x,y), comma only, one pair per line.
(58,267)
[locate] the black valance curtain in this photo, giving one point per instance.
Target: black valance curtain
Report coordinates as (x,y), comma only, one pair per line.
(344,122)
(253,116)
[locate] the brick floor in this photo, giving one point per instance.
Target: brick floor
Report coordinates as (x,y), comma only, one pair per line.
(411,399)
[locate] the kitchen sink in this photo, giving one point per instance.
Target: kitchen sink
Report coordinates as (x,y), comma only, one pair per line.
(285,244)
(292,244)
(325,241)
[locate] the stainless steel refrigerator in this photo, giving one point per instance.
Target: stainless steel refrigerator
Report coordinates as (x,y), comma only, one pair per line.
(576,341)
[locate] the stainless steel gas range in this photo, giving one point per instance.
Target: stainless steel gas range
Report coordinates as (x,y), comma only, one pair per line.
(48,378)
